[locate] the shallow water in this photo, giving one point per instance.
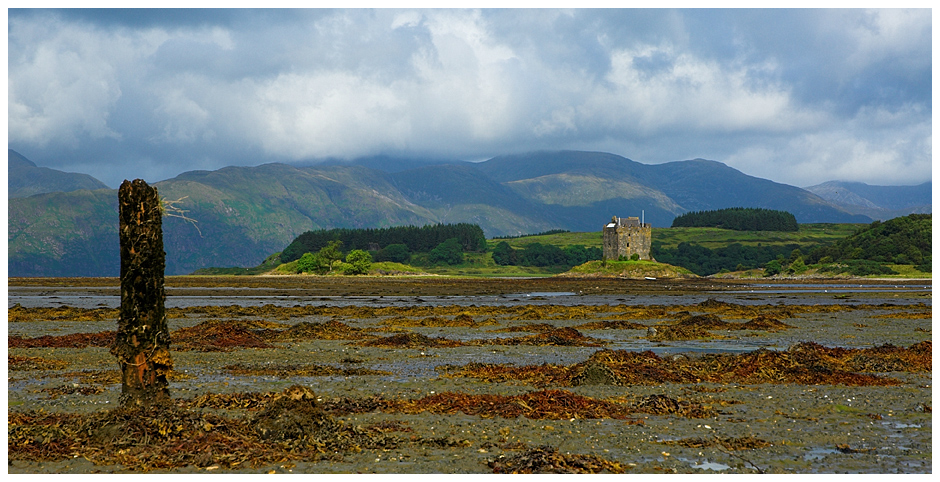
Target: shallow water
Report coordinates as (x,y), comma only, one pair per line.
(42,297)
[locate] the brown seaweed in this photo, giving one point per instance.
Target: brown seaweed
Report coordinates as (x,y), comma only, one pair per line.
(547,460)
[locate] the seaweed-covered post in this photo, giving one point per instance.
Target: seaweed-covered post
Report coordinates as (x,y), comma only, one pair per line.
(143,341)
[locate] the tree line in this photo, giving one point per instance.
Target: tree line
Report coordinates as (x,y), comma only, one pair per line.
(543,233)
(544,255)
(415,239)
(734,257)
(738,219)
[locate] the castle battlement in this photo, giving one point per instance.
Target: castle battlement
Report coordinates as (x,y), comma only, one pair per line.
(625,236)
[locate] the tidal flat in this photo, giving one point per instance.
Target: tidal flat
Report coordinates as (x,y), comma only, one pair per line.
(452,375)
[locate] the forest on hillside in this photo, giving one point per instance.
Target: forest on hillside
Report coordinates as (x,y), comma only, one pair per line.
(902,240)
(416,239)
(738,219)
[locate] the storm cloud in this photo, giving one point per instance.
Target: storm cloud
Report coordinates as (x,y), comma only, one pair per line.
(796,96)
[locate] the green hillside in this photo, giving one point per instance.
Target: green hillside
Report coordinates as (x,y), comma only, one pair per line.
(712,238)
(48,234)
(246,213)
(243,214)
(900,246)
(25,178)
(903,240)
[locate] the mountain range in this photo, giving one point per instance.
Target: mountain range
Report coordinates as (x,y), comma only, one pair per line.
(26,178)
(877,202)
(237,216)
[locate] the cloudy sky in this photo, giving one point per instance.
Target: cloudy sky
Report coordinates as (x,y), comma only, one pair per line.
(796,96)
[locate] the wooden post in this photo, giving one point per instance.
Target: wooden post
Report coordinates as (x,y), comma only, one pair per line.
(143,341)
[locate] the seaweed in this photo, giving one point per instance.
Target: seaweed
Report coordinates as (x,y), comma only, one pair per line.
(804,363)
(547,460)
(530,327)
(764,323)
(218,335)
(17,313)
(729,443)
(543,404)
(15,362)
(595,374)
(556,337)
(290,427)
(704,322)
(461,320)
(542,375)
(73,340)
(677,333)
(611,325)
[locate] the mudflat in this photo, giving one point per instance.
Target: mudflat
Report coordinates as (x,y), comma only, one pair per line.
(454,375)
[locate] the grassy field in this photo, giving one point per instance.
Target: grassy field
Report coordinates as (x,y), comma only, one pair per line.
(711,238)
(561,240)
(809,234)
(904,271)
(631,269)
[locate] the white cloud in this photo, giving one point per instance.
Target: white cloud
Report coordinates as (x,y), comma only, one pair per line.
(885,34)
(66,79)
(184,120)
(460,91)
(324,114)
(472,84)
(878,147)
(406,19)
(63,82)
(679,90)
(462,78)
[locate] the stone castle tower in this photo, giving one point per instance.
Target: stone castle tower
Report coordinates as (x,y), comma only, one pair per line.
(626,236)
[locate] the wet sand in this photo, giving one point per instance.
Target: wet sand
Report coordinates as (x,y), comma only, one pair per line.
(745,425)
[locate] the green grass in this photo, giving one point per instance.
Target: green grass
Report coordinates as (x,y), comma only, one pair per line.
(633,269)
(588,239)
(712,238)
(904,271)
(845,408)
(391,267)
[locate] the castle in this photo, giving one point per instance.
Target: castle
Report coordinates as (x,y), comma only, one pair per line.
(626,237)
